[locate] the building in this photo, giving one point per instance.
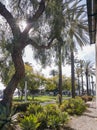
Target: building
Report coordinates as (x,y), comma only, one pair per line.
(92,22)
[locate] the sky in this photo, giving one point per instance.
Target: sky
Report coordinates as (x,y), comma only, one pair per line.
(87,54)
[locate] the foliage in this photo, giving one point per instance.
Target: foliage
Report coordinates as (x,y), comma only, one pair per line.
(44,98)
(48,116)
(29,123)
(8,118)
(42,119)
(51,109)
(20,106)
(66,83)
(86,98)
(51,83)
(54,116)
(73,106)
(34,108)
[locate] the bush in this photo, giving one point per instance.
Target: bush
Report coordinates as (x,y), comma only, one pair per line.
(21,107)
(29,123)
(34,108)
(73,106)
(44,117)
(55,117)
(51,109)
(87,98)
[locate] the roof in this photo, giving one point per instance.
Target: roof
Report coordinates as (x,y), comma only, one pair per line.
(92,14)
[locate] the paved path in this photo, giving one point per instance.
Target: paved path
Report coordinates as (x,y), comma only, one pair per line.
(88,121)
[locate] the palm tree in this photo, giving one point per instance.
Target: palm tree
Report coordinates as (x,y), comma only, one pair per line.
(75,33)
(88,68)
(53,72)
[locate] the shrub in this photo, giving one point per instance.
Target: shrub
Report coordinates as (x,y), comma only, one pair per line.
(8,118)
(29,123)
(51,109)
(73,106)
(21,107)
(55,117)
(53,121)
(34,108)
(87,98)
(42,119)
(64,117)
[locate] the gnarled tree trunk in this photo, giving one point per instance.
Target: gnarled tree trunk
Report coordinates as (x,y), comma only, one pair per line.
(19,73)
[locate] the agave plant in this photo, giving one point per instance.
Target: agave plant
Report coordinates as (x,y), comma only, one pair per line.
(7,118)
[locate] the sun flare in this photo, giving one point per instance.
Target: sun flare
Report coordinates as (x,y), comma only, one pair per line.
(22,25)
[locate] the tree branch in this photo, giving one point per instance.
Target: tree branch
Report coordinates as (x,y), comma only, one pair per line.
(11,21)
(33,43)
(38,13)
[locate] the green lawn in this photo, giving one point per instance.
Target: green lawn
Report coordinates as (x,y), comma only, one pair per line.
(42,98)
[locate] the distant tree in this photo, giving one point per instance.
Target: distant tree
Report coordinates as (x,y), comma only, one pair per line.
(51,84)
(53,72)
(88,69)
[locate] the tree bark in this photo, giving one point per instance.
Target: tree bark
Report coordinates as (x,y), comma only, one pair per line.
(82,82)
(87,82)
(78,84)
(60,76)
(19,73)
(72,74)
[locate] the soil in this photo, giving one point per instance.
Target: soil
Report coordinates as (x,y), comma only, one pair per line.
(87,121)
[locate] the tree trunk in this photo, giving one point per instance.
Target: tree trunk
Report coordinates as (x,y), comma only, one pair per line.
(78,85)
(92,89)
(87,83)
(60,75)
(82,83)
(19,73)
(72,74)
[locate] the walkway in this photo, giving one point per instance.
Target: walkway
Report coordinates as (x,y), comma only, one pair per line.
(88,121)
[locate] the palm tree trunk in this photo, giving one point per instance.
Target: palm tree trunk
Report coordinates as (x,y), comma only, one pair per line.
(87,83)
(78,85)
(82,83)
(72,74)
(92,89)
(60,75)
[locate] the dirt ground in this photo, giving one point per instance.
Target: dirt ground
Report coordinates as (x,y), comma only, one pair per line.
(87,121)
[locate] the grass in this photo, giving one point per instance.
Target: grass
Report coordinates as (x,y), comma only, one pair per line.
(41,98)
(45,98)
